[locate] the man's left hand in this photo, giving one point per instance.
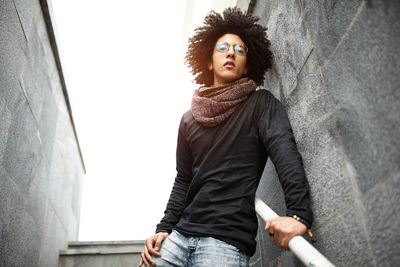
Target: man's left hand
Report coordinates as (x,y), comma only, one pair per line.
(283,229)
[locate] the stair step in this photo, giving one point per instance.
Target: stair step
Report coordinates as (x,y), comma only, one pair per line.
(103,247)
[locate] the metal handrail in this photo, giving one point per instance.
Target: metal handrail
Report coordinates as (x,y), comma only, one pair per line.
(306,253)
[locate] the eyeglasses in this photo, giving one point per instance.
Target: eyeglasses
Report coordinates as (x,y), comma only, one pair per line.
(239,49)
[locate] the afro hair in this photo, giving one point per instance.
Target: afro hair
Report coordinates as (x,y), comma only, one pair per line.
(234,21)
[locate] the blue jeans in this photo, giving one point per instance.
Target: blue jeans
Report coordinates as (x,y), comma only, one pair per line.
(187,251)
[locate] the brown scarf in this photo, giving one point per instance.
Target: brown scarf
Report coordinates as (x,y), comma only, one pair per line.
(213,105)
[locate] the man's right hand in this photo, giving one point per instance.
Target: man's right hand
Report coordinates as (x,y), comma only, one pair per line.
(152,246)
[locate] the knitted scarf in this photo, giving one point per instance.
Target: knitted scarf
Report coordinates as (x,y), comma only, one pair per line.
(213,105)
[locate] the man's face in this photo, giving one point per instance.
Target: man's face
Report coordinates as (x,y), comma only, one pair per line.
(228,66)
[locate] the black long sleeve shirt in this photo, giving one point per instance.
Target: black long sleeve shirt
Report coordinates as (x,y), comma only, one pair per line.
(219,169)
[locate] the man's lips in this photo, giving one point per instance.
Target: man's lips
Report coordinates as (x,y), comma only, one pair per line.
(229,64)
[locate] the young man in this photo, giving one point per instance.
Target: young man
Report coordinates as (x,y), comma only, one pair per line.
(223,144)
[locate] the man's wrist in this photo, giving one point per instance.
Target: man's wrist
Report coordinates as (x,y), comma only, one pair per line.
(308,226)
(299,219)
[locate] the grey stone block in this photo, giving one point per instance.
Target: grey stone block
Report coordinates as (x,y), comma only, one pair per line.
(59,187)
(113,247)
(327,22)
(290,44)
(30,237)
(273,83)
(289,259)
(255,263)
(65,181)
(36,206)
(33,94)
(343,241)
(54,239)
(48,123)
(345,122)
(5,122)
(76,198)
(262,9)
(286,259)
(123,260)
(12,41)
(11,93)
(326,172)
(325,167)
(309,101)
(37,210)
(362,79)
(107,253)
(382,219)
(128,261)
(12,214)
(35,77)
(12,58)
(273,263)
(23,148)
(41,175)
(26,13)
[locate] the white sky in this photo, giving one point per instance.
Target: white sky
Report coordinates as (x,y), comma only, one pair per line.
(123,62)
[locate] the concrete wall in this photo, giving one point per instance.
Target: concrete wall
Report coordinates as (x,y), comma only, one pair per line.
(102,254)
(41,168)
(336,69)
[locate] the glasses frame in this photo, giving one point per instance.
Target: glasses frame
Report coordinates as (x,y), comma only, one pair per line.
(234,48)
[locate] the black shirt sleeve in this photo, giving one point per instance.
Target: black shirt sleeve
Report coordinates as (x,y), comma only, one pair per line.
(277,136)
(177,199)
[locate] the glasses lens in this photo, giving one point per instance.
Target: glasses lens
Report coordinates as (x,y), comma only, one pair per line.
(222,46)
(240,49)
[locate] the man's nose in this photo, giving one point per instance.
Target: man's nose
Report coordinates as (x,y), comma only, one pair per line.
(231,51)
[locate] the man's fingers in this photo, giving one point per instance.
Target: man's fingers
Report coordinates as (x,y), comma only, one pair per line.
(148,257)
(277,238)
(268,225)
(159,240)
(149,246)
(282,243)
(284,229)
(285,243)
(144,260)
(271,224)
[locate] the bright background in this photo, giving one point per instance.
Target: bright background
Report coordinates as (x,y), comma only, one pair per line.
(128,86)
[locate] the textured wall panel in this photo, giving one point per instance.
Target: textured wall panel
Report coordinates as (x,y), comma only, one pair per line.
(40,171)
(336,69)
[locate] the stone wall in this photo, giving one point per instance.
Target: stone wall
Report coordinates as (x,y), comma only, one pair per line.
(336,69)
(41,168)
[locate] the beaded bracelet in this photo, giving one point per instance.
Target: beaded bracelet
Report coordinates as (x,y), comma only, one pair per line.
(297,218)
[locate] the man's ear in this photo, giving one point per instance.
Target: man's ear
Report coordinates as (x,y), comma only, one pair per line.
(210,66)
